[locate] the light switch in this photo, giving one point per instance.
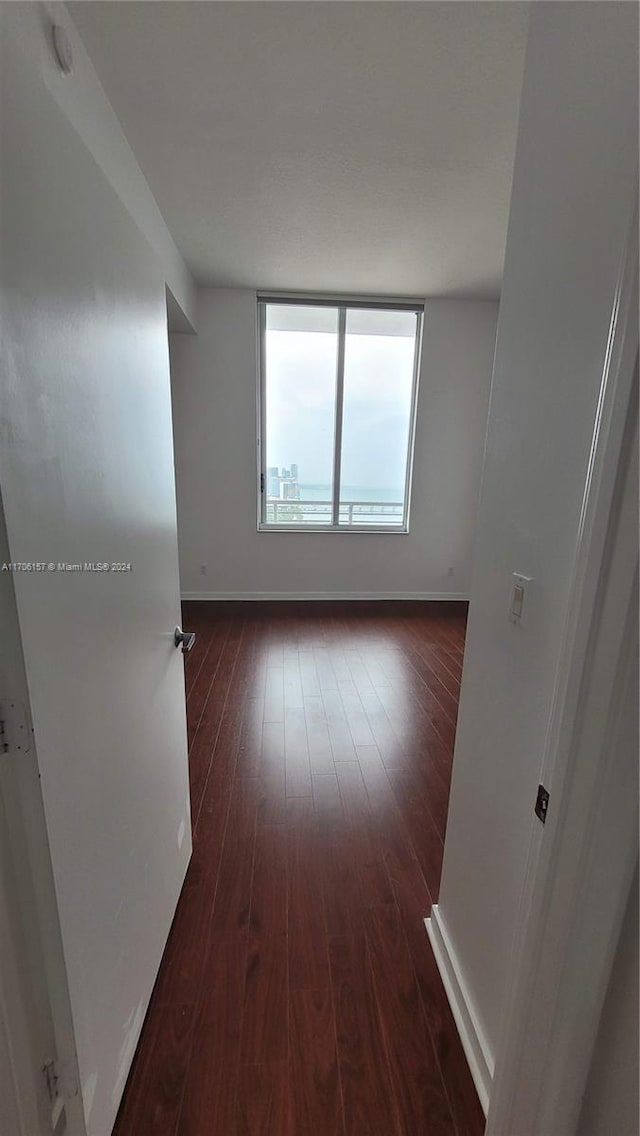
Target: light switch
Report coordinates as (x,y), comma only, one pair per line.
(520,598)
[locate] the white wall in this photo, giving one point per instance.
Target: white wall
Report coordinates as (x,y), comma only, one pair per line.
(574,185)
(83,101)
(214,410)
(611,1098)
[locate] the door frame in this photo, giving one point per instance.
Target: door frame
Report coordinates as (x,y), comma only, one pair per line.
(33,979)
(35,1010)
(19,1092)
(541,1071)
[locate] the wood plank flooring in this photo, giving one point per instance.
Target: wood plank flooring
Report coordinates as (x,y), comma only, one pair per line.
(298,995)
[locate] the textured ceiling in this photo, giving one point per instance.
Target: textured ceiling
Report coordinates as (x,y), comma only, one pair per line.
(356,147)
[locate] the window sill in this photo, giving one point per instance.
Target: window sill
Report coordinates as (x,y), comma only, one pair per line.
(346,530)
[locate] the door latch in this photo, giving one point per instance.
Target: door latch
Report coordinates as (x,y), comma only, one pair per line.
(51,1079)
(542,804)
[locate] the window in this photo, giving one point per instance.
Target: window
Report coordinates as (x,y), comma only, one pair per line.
(338,387)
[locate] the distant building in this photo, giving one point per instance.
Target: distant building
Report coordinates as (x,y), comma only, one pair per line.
(273,481)
(283,485)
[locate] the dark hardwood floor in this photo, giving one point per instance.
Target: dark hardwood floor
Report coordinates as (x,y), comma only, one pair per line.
(298,995)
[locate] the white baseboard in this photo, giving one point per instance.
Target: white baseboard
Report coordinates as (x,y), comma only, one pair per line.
(474,1043)
(455,596)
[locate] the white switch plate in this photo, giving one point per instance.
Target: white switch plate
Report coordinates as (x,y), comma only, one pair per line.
(520,599)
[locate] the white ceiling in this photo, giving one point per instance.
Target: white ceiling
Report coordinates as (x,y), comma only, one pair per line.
(354,147)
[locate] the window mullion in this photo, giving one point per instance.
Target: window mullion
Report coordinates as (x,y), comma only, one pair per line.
(262,412)
(337,444)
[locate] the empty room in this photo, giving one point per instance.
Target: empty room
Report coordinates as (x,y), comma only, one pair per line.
(319,568)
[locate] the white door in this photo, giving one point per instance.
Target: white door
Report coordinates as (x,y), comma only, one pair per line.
(87,479)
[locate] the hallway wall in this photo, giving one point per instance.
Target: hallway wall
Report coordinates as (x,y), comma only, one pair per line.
(573,194)
(611,1098)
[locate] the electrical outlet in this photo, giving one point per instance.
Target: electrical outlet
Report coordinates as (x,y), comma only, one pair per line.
(203,569)
(450,572)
